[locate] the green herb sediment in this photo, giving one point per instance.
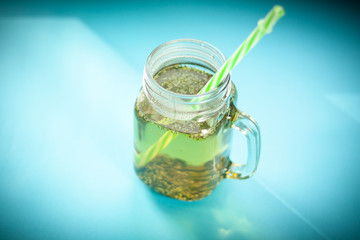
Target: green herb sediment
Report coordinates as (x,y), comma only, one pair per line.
(187,168)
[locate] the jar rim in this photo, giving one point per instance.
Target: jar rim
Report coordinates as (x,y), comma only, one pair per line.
(222,85)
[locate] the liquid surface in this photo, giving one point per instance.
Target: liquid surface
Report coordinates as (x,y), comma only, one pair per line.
(192,165)
(182,79)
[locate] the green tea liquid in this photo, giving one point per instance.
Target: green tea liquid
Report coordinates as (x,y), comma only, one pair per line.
(191,166)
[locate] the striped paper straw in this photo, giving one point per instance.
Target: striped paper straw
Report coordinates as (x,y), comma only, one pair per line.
(264,27)
(157,147)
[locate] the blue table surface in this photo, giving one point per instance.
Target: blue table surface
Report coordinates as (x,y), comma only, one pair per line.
(70,73)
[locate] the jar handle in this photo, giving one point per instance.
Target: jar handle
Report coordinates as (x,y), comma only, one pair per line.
(247,126)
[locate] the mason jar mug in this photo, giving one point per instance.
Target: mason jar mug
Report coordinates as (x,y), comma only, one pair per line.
(183,139)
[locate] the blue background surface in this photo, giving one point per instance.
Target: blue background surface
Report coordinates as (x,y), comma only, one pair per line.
(70,73)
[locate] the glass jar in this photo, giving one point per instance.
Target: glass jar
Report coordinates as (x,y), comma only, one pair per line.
(183,140)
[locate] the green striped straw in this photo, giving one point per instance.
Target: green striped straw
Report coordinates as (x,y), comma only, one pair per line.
(264,27)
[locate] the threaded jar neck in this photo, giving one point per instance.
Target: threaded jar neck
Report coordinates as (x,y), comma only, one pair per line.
(193,53)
